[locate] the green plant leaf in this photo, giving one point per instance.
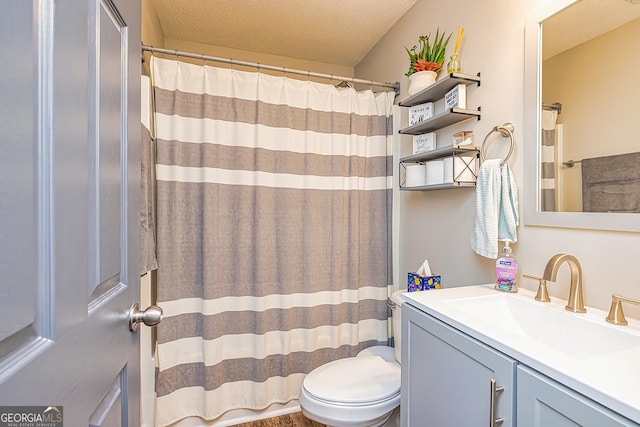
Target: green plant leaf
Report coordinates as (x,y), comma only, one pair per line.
(428,52)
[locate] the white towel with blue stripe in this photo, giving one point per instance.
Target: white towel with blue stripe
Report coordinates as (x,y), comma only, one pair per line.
(497,208)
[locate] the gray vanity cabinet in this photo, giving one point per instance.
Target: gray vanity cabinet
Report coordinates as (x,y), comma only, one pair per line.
(451,379)
(543,402)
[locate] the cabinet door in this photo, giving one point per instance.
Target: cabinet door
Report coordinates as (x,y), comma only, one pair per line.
(542,402)
(446,376)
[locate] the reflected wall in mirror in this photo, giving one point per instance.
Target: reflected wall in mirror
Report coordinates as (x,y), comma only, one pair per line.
(590,96)
(582,95)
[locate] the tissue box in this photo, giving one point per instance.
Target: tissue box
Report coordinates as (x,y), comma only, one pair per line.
(416,282)
(420,113)
(423,143)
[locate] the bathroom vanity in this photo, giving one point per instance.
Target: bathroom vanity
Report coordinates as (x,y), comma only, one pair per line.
(472,356)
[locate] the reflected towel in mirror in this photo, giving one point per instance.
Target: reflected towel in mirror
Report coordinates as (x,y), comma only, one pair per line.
(611,183)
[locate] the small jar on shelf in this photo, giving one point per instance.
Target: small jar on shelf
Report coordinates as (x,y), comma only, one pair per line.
(453,66)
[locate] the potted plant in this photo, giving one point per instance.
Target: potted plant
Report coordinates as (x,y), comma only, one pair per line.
(425,60)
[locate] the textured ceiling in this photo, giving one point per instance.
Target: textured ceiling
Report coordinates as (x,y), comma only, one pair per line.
(339,32)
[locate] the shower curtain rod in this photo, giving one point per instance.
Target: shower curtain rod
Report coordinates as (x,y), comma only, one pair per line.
(555,106)
(571,163)
(395,86)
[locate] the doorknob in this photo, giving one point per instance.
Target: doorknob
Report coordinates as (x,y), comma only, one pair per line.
(150,317)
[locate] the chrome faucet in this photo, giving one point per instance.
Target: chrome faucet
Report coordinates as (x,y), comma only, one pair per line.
(575,302)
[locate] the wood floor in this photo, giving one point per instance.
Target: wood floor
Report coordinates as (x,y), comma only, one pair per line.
(292,420)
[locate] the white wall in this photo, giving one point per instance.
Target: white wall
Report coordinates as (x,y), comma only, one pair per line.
(437,224)
(262,58)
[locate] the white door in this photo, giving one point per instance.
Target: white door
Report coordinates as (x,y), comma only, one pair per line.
(69,189)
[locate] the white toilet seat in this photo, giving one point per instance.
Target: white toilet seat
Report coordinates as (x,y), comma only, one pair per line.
(356,391)
(354,380)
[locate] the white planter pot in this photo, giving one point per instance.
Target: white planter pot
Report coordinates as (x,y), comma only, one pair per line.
(420,80)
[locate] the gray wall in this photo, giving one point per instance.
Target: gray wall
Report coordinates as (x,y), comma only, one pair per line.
(437,224)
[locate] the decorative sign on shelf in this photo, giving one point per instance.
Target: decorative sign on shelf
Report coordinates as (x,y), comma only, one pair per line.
(423,143)
(456,97)
(420,113)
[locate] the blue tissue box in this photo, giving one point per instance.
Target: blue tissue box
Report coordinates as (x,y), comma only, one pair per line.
(416,282)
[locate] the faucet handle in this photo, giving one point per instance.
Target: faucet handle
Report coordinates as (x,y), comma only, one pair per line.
(542,295)
(616,315)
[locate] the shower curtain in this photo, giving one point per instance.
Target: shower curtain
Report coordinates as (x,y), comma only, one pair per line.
(548,159)
(274,205)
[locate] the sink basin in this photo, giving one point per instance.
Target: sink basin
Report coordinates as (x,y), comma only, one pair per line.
(576,335)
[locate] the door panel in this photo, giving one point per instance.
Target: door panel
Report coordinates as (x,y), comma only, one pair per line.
(543,402)
(112,58)
(18,175)
(24,321)
(69,217)
(107,173)
(110,408)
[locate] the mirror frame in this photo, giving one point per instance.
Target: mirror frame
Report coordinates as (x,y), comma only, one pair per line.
(533,137)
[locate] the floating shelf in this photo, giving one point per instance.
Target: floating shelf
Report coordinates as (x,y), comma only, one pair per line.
(440,88)
(438,154)
(444,119)
(447,186)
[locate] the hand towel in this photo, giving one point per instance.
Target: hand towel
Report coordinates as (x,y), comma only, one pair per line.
(509,217)
(497,208)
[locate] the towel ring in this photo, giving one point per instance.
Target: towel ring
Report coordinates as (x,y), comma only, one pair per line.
(505,130)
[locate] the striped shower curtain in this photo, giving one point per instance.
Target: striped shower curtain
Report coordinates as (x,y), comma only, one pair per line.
(548,168)
(274,204)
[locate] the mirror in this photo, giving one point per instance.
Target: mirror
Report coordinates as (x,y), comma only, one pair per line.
(581,108)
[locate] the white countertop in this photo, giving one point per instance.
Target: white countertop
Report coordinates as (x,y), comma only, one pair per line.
(610,377)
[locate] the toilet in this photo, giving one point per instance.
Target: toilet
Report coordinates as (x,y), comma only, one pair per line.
(360,391)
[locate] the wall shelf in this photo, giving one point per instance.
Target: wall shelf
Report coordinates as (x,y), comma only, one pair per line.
(445,186)
(444,119)
(440,88)
(441,153)
(438,153)
(463,161)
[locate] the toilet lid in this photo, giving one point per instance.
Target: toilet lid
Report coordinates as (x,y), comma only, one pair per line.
(354,380)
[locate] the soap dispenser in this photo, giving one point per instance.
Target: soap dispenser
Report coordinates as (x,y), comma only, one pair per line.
(506,271)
